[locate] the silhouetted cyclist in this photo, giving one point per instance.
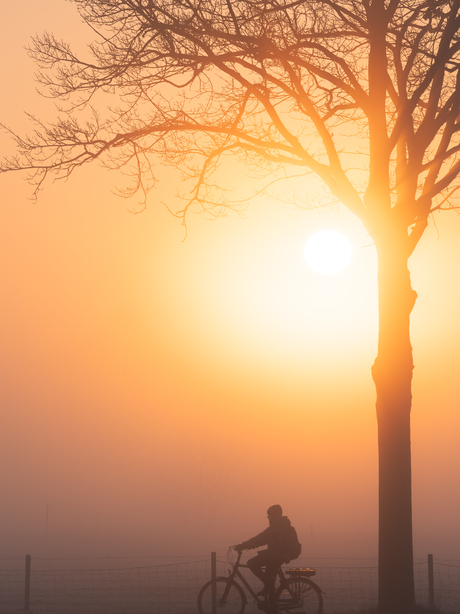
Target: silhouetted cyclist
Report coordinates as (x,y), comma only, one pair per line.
(282,546)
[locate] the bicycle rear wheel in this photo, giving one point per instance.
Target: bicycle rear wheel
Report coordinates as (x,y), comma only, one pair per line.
(230,598)
(299,596)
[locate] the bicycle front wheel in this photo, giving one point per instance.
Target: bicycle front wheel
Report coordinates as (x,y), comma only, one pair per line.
(299,595)
(230,597)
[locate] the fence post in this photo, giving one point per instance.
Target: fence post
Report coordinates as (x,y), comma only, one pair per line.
(27,586)
(214,584)
(430,582)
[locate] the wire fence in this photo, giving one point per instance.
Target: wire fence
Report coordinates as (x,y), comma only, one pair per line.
(447,586)
(129,586)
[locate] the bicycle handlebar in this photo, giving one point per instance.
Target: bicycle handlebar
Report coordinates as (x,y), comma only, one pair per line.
(238,553)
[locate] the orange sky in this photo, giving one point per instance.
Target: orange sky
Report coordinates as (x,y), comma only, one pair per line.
(158,395)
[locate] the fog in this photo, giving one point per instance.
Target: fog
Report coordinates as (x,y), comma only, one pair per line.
(157,395)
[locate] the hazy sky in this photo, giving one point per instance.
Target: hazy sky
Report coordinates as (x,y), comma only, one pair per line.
(157,395)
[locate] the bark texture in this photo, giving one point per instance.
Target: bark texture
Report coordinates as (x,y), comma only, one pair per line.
(392,374)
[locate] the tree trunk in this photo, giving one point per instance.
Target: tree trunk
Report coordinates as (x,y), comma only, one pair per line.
(392,374)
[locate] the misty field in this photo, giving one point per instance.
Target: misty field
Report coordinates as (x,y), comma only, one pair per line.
(153,585)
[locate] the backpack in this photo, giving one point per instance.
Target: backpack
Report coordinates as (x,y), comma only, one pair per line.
(291,548)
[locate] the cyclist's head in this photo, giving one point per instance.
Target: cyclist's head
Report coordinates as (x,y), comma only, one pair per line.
(274,511)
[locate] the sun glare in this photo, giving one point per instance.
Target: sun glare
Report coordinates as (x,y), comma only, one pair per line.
(327,252)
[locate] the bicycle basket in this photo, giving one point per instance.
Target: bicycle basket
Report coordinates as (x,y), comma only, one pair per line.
(297,572)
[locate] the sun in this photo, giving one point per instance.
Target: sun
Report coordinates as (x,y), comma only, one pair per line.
(328,252)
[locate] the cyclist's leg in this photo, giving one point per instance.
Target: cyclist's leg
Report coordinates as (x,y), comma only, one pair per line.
(257,563)
(274,562)
(270,561)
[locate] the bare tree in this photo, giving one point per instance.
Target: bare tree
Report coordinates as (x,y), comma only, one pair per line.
(363,93)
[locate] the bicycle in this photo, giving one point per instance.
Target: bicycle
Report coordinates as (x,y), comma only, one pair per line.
(294,595)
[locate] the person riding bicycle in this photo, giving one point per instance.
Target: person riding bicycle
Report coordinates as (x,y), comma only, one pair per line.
(282,546)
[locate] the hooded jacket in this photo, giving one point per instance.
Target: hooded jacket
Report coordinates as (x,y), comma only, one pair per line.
(274,537)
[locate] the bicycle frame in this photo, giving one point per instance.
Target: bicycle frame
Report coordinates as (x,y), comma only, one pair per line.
(235,573)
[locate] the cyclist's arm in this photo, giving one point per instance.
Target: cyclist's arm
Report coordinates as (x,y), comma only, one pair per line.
(255,542)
